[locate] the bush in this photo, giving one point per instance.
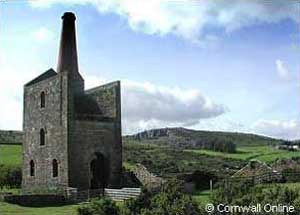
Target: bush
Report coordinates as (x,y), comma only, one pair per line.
(102,206)
(10,176)
(171,200)
(135,206)
(201,179)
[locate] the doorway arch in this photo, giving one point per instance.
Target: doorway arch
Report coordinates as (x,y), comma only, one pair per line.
(98,171)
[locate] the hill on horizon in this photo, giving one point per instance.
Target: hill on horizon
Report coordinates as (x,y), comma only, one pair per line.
(11,137)
(183,137)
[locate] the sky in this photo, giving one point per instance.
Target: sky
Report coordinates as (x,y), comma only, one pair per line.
(222,65)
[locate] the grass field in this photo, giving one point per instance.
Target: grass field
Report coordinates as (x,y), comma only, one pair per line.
(11,209)
(263,153)
(11,154)
(202,197)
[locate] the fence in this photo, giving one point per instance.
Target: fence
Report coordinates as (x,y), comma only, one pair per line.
(74,195)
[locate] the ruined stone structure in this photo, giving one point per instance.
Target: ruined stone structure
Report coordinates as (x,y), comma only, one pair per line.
(72,137)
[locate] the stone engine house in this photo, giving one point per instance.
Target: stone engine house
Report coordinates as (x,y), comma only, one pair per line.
(72,136)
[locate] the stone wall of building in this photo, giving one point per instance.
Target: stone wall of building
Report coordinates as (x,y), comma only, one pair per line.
(92,137)
(96,130)
(53,119)
(107,98)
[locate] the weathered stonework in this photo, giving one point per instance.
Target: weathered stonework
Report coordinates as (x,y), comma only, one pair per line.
(82,128)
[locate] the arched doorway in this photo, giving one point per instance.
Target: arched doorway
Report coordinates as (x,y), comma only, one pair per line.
(98,172)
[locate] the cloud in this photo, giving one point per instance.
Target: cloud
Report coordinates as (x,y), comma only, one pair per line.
(13,77)
(146,105)
(286,129)
(43,34)
(282,70)
(189,19)
(91,81)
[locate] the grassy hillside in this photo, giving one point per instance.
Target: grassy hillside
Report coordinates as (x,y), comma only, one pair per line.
(263,153)
(166,161)
(10,154)
(241,139)
(190,138)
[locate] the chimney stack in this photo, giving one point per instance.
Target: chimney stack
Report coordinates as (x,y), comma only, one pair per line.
(67,57)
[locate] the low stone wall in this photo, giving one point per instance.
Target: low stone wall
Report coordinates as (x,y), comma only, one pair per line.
(146,178)
(2,194)
(130,180)
(35,200)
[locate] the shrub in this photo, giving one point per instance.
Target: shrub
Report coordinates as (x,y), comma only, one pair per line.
(171,200)
(10,176)
(201,178)
(243,193)
(102,206)
(135,206)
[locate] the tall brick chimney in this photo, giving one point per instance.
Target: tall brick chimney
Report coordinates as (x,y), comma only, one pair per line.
(67,57)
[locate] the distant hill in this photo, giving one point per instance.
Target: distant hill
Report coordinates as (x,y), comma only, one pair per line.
(11,137)
(187,138)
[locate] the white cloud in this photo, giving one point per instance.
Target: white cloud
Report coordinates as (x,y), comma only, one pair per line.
(145,105)
(222,123)
(286,129)
(91,81)
(43,34)
(13,77)
(282,70)
(187,18)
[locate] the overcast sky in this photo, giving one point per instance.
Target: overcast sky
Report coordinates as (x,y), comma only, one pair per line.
(229,65)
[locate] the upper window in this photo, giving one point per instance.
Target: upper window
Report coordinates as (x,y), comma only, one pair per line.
(31,164)
(42,137)
(54,168)
(42,99)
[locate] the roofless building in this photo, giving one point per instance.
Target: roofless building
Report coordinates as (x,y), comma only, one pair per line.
(72,136)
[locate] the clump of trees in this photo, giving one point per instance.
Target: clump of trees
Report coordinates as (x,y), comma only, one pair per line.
(10,176)
(219,145)
(170,200)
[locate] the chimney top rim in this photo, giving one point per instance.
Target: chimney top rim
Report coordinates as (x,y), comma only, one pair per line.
(69,16)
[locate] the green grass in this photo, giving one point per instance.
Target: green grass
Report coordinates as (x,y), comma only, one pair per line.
(263,153)
(128,166)
(14,191)
(11,155)
(202,197)
(11,209)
